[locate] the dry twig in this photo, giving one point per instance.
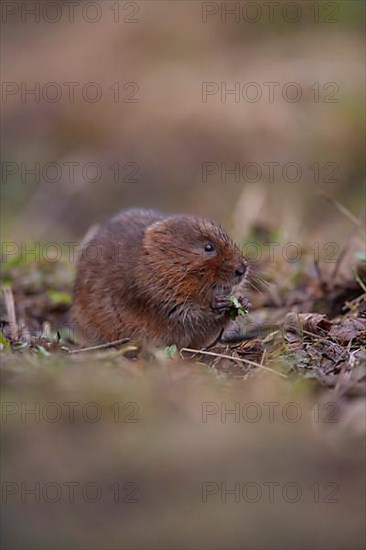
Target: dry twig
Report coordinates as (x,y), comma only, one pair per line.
(223,356)
(102,346)
(10,310)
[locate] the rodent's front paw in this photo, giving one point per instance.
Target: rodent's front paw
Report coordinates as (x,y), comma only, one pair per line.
(220,304)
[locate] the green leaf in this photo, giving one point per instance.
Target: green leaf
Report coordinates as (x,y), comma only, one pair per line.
(20,345)
(236,308)
(59,298)
(170,351)
(4,344)
(40,350)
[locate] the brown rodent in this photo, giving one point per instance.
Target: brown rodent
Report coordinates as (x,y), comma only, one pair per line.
(157,277)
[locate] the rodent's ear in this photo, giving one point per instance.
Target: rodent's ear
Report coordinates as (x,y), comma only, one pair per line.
(157,229)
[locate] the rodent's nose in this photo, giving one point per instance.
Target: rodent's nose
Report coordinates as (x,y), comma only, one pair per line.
(239,272)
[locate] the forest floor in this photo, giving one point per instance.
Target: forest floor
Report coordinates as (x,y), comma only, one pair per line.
(301,323)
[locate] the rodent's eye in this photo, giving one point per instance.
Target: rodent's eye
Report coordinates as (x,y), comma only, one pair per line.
(209,247)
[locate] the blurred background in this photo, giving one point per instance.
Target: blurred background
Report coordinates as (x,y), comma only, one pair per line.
(129,108)
(240,111)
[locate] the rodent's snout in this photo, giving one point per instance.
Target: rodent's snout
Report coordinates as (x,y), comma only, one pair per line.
(241,270)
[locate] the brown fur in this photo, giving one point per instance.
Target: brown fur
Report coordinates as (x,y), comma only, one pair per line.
(146,275)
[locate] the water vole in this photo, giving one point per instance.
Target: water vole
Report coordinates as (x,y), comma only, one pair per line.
(157,277)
